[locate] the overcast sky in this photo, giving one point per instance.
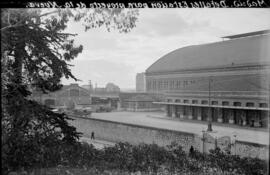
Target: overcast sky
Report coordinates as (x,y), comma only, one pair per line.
(114,57)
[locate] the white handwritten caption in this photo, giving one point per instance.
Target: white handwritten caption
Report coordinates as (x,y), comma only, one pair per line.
(176,4)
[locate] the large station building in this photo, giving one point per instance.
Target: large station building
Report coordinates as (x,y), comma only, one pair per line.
(226,82)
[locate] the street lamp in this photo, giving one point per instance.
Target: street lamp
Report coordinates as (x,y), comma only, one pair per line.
(203,139)
(234,135)
(209,128)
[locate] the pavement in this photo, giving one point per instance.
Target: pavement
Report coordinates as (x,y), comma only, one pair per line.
(159,120)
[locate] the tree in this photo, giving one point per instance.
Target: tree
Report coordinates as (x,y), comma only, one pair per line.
(35,52)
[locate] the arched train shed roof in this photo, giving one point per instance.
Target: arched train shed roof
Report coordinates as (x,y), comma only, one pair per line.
(241,51)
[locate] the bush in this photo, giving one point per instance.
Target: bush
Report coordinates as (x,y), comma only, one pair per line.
(152,159)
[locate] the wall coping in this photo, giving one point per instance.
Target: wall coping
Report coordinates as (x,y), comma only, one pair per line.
(251,144)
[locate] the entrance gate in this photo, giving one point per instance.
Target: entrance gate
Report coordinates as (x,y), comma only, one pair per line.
(209,142)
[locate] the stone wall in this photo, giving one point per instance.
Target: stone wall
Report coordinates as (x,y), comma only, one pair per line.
(135,134)
(247,149)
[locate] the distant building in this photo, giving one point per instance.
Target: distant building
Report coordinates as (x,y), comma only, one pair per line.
(225,82)
(69,96)
(108,95)
(140,82)
(139,102)
(110,87)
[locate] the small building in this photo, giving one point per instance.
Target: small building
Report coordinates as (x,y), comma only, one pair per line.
(139,102)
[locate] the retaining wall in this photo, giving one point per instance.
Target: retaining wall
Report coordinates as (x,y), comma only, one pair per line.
(135,134)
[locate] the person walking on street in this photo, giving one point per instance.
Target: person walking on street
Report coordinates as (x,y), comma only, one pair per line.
(92,136)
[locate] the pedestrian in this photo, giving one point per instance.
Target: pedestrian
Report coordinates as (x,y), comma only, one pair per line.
(92,136)
(191,150)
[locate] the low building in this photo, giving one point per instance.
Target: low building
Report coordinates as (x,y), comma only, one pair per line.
(69,96)
(139,102)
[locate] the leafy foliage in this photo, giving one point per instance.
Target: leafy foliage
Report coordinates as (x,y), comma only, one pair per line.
(124,158)
(35,51)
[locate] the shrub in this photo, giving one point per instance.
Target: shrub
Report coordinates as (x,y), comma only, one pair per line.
(151,159)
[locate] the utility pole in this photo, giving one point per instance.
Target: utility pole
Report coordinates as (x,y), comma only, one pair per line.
(209,128)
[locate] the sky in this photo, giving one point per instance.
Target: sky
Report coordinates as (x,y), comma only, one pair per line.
(117,57)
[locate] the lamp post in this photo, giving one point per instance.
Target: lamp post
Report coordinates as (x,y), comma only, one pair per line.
(209,128)
(203,139)
(234,135)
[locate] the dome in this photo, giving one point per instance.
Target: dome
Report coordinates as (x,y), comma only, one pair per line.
(242,51)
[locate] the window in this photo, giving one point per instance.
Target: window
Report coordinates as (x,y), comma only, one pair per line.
(178,84)
(166,84)
(185,101)
(148,85)
(236,103)
(154,84)
(214,103)
(225,103)
(185,83)
(249,104)
(159,84)
(204,102)
(194,101)
(171,84)
(263,105)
